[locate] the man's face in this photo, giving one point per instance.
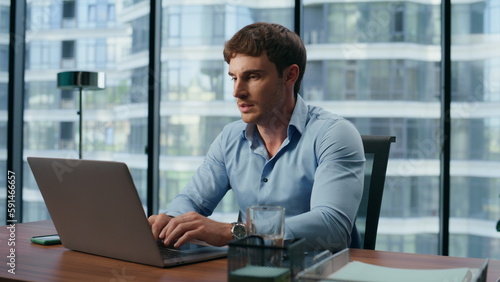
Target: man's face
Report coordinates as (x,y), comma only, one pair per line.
(258,89)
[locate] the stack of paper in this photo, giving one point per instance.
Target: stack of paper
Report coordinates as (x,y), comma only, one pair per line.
(358,271)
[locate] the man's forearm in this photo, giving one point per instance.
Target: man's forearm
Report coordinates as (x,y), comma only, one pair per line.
(321,230)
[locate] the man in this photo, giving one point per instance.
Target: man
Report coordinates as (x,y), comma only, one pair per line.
(282,152)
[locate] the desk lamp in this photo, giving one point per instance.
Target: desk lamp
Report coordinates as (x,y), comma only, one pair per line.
(69,80)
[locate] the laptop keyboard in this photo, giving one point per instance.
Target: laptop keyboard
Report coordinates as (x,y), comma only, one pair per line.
(169,252)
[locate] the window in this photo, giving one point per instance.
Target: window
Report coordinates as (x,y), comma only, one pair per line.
(4,19)
(4,53)
(68,49)
(50,113)
(4,80)
(92,13)
(371,83)
(474,149)
(139,92)
(3,97)
(398,24)
(67,99)
(193,25)
(68,55)
(68,14)
(67,135)
(140,34)
(194,77)
(193,80)
(68,9)
(111,12)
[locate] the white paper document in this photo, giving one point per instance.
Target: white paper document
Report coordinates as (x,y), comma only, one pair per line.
(359,271)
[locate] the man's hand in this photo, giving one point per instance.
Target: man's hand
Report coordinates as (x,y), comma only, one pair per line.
(179,230)
(158,222)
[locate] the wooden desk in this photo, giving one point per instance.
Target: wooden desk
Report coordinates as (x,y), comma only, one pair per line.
(55,263)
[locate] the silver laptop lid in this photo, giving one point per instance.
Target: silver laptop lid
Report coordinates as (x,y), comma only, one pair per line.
(96,209)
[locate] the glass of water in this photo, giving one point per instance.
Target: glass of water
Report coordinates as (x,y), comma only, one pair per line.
(267,222)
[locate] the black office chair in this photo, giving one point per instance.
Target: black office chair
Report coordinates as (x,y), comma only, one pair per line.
(364,233)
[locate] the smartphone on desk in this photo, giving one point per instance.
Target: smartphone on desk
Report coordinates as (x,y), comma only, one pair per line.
(46,239)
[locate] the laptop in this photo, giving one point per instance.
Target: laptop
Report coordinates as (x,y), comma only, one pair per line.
(96,209)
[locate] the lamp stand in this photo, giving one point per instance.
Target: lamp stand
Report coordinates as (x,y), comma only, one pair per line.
(80,123)
(69,80)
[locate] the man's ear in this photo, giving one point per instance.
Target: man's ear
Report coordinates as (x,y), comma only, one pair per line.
(291,74)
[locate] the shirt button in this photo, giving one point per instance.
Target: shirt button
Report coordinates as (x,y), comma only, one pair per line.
(264,179)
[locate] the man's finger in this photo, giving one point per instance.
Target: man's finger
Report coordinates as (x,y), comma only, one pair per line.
(158,223)
(152,219)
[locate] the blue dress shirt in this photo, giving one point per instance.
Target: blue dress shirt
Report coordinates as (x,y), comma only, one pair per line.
(317,175)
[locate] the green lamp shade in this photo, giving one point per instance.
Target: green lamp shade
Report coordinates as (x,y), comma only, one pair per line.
(69,80)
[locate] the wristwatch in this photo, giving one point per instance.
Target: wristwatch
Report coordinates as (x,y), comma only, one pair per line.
(239,230)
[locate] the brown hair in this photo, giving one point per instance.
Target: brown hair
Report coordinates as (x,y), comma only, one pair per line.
(283,47)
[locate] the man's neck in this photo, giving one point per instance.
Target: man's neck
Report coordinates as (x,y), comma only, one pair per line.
(276,131)
(273,138)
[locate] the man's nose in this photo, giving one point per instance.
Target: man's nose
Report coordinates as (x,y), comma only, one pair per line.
(239,89)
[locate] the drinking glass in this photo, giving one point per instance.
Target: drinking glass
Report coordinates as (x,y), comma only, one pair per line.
(267,222)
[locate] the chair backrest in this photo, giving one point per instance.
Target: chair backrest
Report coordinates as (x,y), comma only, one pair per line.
(377,156)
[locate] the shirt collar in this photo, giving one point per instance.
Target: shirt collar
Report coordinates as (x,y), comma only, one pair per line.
(299,116)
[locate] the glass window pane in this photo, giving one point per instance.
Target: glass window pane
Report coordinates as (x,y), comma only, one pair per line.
(114,119)
(368,68)
(4,80)
(196,91)
(475,148)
